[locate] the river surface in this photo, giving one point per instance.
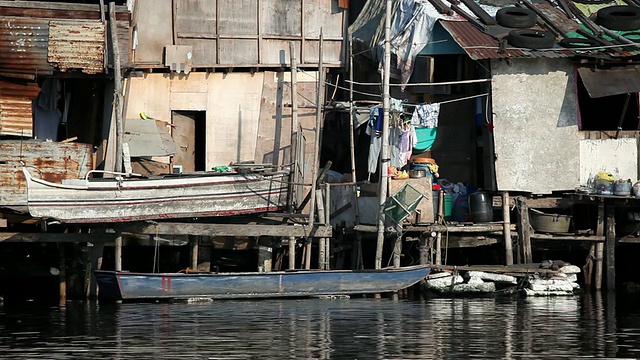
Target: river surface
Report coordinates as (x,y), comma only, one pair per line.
(585,326)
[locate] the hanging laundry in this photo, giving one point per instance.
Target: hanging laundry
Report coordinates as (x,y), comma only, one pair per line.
(426,115)
(395,105)
(375,121)
(374,154)
(408,139)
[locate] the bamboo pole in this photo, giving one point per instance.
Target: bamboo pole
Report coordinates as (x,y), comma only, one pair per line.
(292,252)
(194,251)
(294,119)
(352,151)
(384,151)
(610,248)
(439,234)
(118,254)
(506,223)
(316,145)
(327,218)
(117,78)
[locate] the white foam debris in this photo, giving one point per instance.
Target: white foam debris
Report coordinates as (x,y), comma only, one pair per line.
(493,277)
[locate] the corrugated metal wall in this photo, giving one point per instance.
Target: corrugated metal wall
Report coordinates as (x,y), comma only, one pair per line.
(15,107)
(23,46)
(77,45)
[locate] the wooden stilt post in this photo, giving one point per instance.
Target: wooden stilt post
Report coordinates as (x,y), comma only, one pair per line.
(117,78)
(384,151)
(587,269)
(610,248)
(294,120)
(62,275)
(327,221)
(118,252)
(264,258)
(424,250)
(322,243)
(397,250)
(439,234)
(95,263)
(506,222)
(292,252)
(320,88)
(193,242)
(599,246)
(524,229)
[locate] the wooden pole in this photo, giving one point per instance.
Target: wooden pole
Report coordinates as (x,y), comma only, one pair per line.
(439,234)
(397,250)
(327,221)
(322,243)
(524,230)
(384,151)
(292,252)
(117,78)
(352,145)
(588,266)
(193,242)
(610,248)
(62,275)
(316,145)
(294,118)
(599,246)
(118,254)
(506,216)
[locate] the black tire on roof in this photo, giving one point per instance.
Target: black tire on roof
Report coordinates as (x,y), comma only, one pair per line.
(515,17)
(577,42)
(531,39)
(619,17)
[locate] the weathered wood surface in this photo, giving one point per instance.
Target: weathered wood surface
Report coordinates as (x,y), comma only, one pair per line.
(225,229)
(524,230)
(599,256)
(610,248)
(594,238)
(513,269)
(256,285)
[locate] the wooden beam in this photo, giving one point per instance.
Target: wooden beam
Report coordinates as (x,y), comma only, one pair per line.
(522,268)
(593,238)
(118,253)
(16,237)
(292,252)
(226,229)
(610,248)
(466,241)
(477,228)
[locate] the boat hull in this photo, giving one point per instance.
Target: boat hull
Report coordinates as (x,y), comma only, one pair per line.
(304,283)
(113,200)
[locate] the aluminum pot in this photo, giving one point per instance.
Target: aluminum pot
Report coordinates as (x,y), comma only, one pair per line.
(416,174)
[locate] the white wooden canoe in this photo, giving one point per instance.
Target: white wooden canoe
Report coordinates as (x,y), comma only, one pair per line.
(174,196)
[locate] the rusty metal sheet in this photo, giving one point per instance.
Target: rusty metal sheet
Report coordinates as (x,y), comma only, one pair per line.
(77,45)
(55,161)
(23,46)
(15,107)
(608,82)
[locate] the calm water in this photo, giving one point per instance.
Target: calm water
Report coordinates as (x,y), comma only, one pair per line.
(588,326)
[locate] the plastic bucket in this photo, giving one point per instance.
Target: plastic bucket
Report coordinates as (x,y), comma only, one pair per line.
(481,207)
(448,206)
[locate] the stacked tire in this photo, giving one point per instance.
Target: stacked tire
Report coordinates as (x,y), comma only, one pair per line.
(521,20)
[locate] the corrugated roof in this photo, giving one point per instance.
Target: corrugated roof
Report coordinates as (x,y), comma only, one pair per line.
(15,107)
(23,46)
(77,45)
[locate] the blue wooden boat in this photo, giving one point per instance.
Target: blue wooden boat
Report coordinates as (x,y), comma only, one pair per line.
(298,283)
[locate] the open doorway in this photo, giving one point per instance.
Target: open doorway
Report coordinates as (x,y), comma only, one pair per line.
(189,135)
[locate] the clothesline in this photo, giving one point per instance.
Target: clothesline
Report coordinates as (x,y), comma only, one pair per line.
(426,84)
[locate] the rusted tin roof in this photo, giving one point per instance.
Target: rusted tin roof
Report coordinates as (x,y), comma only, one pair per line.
(23,46)
(54,160)
(15,108)
(77,45)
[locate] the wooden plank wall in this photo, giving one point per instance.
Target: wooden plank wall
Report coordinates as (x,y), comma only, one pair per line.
(158,94)
(241,33)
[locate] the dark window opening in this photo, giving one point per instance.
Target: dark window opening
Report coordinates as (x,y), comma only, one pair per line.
(606,113)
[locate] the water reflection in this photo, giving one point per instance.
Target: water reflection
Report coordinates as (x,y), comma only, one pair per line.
(558,327)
